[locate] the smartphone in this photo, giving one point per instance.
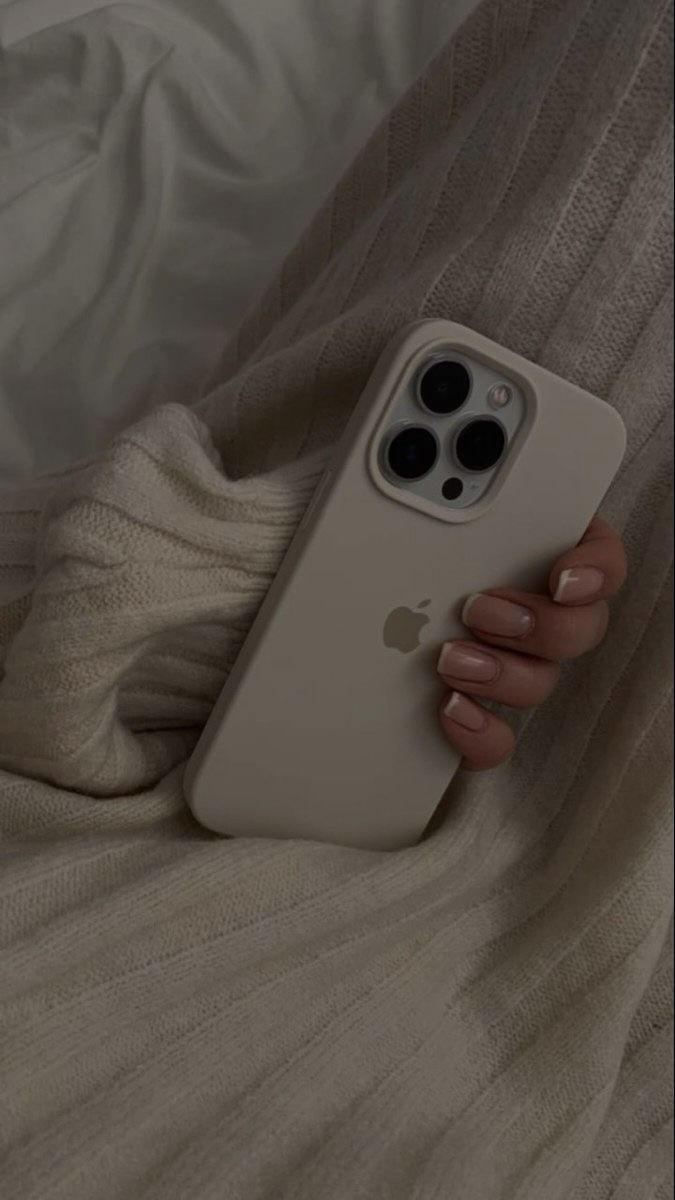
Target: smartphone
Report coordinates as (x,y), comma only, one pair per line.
(463,467)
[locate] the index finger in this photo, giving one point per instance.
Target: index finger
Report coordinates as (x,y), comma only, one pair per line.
(593,570)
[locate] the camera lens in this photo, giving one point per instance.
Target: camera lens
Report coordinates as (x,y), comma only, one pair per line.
(444,386)
(480,444)
(412,452)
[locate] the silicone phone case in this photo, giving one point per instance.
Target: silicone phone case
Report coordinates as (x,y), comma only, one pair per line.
(324,732)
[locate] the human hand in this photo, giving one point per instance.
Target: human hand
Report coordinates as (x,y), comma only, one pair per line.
(520,640)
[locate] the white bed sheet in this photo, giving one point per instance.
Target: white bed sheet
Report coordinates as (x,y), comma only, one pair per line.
(157,160)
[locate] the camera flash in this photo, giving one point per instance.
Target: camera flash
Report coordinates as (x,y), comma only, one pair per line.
(499,395)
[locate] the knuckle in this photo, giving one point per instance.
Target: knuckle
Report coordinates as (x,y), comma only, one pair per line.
(493,747)
(550,678)
(502,742)
(622,567)
(571,632)
(558,632)
(571,635)
(542,679)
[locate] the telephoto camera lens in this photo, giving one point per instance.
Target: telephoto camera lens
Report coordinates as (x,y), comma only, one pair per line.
(444,386)
(480,444)
(412,452)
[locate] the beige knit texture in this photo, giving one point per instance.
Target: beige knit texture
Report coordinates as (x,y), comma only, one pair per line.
(483,1017)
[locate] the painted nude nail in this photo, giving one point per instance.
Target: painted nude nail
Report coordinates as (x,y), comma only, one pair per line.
(501,618)
(467,663)
(465,713)
(578,584)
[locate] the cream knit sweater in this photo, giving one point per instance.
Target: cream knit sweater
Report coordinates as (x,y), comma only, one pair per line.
(484,1017)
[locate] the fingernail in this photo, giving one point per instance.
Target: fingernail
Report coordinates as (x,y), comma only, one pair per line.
(465,713)
(502,618)
(577,584)
(465,662)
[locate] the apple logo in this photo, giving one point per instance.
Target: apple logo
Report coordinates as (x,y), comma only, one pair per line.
(402,628)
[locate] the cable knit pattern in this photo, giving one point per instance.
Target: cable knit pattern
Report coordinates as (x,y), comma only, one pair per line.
(485,1016)
(150,568)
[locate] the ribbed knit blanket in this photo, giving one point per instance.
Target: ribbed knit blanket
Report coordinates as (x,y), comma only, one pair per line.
(485,1016)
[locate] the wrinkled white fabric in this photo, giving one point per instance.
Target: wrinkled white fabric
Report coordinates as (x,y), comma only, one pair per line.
(157,159)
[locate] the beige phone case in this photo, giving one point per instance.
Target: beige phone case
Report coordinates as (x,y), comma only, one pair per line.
(324,732)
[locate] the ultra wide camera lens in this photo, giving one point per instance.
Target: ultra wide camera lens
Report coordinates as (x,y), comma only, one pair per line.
(412,452)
